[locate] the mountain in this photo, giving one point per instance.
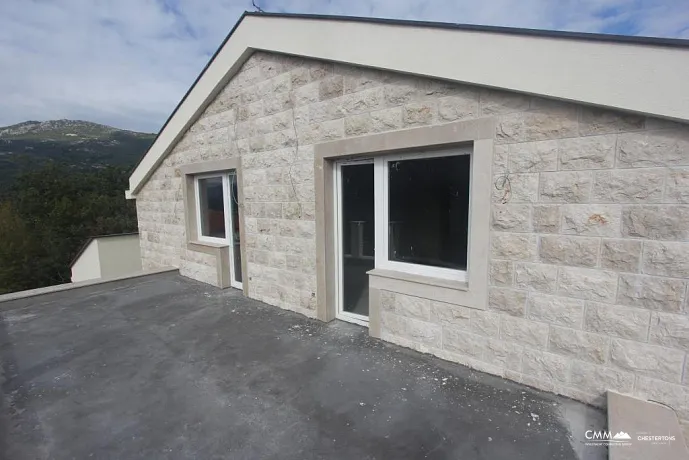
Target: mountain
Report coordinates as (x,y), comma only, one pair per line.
(78,144)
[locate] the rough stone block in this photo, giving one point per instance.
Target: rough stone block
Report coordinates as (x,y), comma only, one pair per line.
(327,110)
(306,95)
(297,246)
(321,132)
(670,330)
(662,363)
(414,330)
(503,354)
(501,272)
(513,246)
(485,323)
(438,88)
(356,80)
(275,104)
(565,186)
(591,219)
(401,92)
(546,218)
(457,108)
(656,222)
(519,188)
(500,158)
(621,255)
(533,157)
(387,120)
(298,228)
(536,126)
(450,315)
(588,284)
(523,331)
(544,366)
(510,301)
(653,148)
(357,125)
(555,310)
(511,217)
(301,210)
(360,102)
(495,102)
(299,77)
(536,277)
(599,379)
(600,121)
(318,70)
(304,264)
(331,87)
(616,321)
(419,113)
(569,250)
(677,186)
(666,259)
(412,307)
(464,343)
(595,152)
(628,186)
(268,227)
(578,344)
(651,292)
(387,301)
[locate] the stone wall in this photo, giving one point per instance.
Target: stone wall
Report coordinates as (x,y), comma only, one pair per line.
(590,223)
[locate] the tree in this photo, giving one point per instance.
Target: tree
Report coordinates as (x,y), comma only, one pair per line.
(49,213)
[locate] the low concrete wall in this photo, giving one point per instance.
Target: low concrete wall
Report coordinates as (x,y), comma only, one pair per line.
(108,256)
(68,286)
(87,264)
(119,255)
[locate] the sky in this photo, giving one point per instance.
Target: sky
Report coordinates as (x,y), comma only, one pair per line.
(127,63)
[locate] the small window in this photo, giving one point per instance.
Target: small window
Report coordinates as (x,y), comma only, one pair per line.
(211,207)
(425,213)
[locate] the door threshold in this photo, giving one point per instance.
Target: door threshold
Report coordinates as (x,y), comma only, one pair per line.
(361,320)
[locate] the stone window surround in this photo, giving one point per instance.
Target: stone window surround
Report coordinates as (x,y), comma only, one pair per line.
(473,293)
(220,251)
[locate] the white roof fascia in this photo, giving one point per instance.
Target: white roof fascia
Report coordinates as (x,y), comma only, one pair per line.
(648,79)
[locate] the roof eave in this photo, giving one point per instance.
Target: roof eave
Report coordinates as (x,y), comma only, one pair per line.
(478,47)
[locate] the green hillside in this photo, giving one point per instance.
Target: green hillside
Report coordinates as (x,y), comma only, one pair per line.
(79,145)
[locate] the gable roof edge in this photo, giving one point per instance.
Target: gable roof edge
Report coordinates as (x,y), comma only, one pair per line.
(610,72)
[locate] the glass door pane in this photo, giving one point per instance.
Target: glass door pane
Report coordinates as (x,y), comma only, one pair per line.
(234,231)
(357,233)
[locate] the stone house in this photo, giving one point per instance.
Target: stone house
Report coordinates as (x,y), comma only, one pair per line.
(514,201)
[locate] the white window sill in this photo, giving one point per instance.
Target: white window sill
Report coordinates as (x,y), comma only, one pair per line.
(420,279)
(206,246)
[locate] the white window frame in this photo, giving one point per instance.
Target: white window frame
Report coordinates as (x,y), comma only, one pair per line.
(227,196)
(381,219)
(197,192)
(381,165)
(339,242)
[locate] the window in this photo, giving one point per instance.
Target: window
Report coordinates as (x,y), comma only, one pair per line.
(217,204)
(211,207)
(422,213)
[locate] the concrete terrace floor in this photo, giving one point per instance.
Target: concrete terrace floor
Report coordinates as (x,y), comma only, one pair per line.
(165,367)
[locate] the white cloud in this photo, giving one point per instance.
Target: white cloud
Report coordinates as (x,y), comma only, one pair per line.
(128,62)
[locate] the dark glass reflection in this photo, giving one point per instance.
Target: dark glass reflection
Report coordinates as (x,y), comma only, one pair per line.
(429,211)
(212,207)
(358,235)
(234,208)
